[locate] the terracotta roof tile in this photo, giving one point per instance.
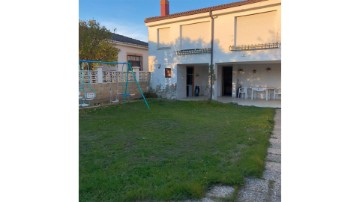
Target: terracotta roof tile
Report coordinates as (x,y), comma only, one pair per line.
(202,10)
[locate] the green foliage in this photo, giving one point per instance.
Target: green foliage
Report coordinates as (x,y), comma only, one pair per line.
(175,151)
(94,42)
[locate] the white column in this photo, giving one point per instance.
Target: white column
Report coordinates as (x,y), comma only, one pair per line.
(234,81)
(215,87)
(99,75)
(136,70)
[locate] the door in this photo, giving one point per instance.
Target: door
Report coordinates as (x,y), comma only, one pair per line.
(189,81)
(227,81)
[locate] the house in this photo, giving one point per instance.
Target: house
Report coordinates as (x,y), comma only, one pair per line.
(131,50)
(242,40)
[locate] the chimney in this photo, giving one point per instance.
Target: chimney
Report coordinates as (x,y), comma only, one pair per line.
(164,6)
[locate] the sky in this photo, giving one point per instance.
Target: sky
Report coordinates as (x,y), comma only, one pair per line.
(127,16)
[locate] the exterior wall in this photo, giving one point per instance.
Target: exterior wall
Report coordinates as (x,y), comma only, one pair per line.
(126,50)
(262,77)
(181,81)
(201,79)
(224,37)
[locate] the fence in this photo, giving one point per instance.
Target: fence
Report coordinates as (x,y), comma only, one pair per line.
(108,84)
(111,76)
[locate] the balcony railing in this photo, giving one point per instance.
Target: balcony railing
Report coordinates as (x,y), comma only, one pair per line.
(193,51)
(255,47)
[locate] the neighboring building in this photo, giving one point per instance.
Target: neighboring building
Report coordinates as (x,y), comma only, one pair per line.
(246,48)
(132,50)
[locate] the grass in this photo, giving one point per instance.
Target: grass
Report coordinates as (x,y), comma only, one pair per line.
(174,151)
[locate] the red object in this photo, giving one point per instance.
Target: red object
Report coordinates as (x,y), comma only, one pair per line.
(164,6)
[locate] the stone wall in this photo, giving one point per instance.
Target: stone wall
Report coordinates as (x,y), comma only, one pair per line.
(103,91)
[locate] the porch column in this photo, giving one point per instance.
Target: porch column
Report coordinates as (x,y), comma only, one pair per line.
(99,75)
(136,70)
(215,88)
(233,85)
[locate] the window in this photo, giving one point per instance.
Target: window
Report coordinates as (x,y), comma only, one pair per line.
(256,29)
(136,61)
(164,37)
(167,72)
(197,35)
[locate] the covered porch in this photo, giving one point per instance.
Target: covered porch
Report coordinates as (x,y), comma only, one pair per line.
(249,83)
(192,81)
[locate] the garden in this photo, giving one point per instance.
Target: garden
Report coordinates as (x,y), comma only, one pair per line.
(175,151)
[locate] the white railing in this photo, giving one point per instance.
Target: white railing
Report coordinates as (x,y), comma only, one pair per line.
(84,76)
(111,76)
(144,76)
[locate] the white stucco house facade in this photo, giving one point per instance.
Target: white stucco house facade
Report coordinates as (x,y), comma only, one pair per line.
(242,40)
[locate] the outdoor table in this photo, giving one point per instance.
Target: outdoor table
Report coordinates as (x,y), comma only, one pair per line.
(261,89)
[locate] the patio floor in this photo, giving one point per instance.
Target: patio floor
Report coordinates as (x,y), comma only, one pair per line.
(249,102)
(242,102)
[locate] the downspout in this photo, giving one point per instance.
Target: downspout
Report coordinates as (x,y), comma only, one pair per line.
(211,56)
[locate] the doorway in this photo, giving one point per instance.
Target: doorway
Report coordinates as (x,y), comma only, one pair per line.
(189,81)
(227,81)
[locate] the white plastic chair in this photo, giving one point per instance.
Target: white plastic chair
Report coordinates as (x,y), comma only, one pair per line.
(242,91)
(277,92)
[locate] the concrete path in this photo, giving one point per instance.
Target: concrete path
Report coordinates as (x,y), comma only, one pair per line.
(269,187)
(265,189)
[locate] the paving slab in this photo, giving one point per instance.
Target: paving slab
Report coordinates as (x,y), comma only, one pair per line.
(275,140)
(273,158)
(276,189)
(277,137)
(276,131)
(251,196)
(274,166)
(275,145)
(259,185)
(274,151)
(275,198)
(272,175)
(221,192)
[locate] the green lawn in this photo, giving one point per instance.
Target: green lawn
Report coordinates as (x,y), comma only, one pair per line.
(174,151)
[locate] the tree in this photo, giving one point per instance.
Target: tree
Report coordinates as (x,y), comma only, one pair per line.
(94,42)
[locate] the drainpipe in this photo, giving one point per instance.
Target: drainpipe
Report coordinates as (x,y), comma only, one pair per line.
(211,56)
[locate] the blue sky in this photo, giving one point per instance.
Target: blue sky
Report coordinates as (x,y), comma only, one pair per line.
(127,16)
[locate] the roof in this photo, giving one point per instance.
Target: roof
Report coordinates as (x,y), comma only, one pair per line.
(124,39)
(202,10)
